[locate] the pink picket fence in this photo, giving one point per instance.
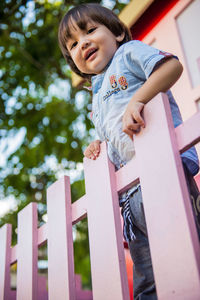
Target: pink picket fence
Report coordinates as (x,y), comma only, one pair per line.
(172,233)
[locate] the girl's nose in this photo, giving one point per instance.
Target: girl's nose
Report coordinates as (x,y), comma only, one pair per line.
(85,43)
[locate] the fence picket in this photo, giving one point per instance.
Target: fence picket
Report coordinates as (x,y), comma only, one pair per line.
(173,238)
(61,281)
(27,253)
(5,253)
(172,234)
(109,278)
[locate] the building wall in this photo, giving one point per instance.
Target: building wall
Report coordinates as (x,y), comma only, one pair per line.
(178,33)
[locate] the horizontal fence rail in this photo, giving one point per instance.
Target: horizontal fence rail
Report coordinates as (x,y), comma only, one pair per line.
(172,234)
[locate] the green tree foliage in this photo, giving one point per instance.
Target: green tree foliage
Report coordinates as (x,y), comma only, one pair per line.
(38,103)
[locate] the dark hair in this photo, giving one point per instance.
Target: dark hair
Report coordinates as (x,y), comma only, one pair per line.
(80,14)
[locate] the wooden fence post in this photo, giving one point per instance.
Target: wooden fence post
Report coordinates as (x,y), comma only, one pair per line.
(172,234)
(5,252)
(27,253)
(61,279)
(109,277)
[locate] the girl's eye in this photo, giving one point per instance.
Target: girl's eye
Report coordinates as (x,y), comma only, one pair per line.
(91,30)
(73,45)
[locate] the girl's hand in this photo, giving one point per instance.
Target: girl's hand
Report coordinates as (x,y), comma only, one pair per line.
(132,120)
(93,150)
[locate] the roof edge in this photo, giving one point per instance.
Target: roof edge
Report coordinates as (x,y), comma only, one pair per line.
(137,8)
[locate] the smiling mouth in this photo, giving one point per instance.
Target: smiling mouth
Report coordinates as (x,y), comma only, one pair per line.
(90,53)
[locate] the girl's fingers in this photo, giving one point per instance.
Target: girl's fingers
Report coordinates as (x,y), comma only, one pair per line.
(97,147)
(129,132)
(134,127)
(93,150)
(138,118)
(90,155)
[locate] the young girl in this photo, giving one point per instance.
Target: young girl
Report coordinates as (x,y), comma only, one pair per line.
(125,75)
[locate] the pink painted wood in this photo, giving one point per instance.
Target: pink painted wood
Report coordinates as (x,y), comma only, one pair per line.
(109,278)
(187,132)
(27,253)
(12,295)
(173,238)
(125,178)
(61,281)
(5,253)
(79,209)
(42,290)
(198,63)
(81,294)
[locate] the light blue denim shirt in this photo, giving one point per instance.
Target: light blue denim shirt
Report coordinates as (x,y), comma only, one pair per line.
(129,68)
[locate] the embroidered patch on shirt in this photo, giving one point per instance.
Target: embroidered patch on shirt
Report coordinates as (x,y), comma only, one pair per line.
(123,82)
(123,85)
(113,81)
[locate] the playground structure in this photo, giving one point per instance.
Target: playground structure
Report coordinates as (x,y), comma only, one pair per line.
(172,233)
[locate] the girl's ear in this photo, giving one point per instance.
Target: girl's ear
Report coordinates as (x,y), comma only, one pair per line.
(120,37)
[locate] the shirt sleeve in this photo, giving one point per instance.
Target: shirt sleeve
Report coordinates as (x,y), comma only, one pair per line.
(142,59)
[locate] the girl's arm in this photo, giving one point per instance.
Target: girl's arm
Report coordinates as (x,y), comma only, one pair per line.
(159,81)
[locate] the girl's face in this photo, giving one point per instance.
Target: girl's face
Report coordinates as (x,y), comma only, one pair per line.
(93,47)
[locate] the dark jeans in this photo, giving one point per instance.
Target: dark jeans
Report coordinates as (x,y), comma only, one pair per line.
(143,278)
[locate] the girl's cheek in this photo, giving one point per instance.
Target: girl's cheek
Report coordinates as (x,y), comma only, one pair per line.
(76,56)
